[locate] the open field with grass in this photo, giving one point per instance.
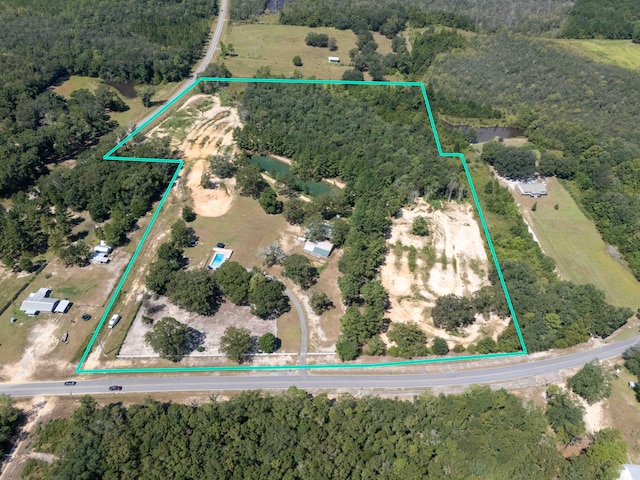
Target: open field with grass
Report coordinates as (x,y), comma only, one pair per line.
(572,240)
(10,283)
(266,45)
(623,412)
(136,109)
(621,53)
(245,229)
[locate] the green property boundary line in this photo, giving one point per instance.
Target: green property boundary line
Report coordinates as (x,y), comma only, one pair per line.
(179,164)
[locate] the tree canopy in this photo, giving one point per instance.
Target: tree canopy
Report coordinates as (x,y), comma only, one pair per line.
(451,312)
(592,382)
(479,433)
(267,297)
(233,279)
(300,269)
(169,338)
(235,343)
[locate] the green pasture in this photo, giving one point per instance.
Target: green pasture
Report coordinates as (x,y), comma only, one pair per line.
(136,109)
(621,53)
(572,240)
(274,46)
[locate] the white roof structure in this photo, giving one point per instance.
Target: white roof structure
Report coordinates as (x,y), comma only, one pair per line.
(39,302)
(62,307)
(533,189)
(319,249)
(102,247)
(630,472)
(100,257)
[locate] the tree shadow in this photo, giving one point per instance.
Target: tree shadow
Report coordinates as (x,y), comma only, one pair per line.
(195,338)
(81,235)
(75,221)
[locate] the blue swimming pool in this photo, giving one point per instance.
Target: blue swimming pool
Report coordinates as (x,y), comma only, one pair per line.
(217,260)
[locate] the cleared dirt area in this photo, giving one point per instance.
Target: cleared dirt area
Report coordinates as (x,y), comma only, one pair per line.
(206,201)
(202,127)
(450,260)
(208,329)
(31,347)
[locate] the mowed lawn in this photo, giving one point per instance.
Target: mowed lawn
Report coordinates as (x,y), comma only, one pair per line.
(245,228)
(136,109)
(572,240)
(622,53)
(274,46)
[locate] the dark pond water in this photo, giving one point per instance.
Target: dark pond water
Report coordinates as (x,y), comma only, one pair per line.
(125,89)
(275,167)
(484,134)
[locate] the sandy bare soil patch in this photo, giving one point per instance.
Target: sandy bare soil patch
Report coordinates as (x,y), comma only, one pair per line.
(206,201)
(44,340)
(211,327)
(211,133)
(459,266)
(594,416)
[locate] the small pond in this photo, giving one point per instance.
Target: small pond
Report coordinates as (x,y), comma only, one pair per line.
(484,134)
(276,167)
(127,90)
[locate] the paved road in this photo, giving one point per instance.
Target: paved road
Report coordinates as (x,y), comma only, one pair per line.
(334,381)
(211,50)
(302,357)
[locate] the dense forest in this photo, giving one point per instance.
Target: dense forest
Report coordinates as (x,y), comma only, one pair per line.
(294,435)
(388,161)
(392,17)
(612,19)
(587,111)
(41,44)
(11,419)
(120,192)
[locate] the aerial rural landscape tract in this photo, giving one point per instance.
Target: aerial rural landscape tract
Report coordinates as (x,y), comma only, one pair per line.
(409,213)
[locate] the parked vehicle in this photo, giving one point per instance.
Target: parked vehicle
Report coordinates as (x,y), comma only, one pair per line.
(114,320)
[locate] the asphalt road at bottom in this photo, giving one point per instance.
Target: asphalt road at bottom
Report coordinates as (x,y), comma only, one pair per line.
(345,380)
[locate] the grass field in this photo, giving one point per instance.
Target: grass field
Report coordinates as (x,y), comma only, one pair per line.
(274,46)
(246,229)
(624,411)
(621,53)
(572,240)
(136,109)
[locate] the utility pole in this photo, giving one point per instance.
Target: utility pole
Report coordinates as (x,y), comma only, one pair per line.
(101,346)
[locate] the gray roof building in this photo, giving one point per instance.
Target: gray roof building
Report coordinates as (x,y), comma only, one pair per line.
(39,302)
(100,257)
(532,189)
(319,249)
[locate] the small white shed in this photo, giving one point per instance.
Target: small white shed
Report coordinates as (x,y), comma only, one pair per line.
(102,247)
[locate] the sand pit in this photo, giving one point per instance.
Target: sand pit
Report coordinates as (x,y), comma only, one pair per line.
(451,260)
(209,202)
(209,125)
(209,133)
